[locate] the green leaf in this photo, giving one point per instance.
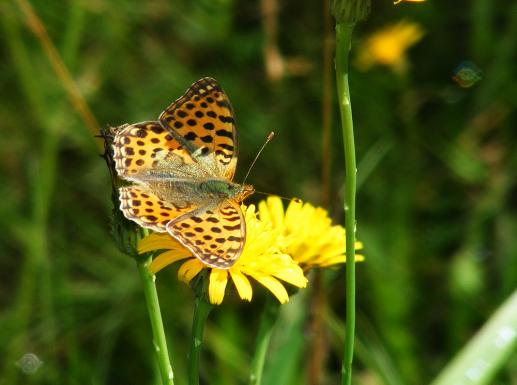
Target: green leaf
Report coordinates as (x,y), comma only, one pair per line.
(480,360)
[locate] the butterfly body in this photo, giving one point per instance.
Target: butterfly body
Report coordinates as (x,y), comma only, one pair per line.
(182,167)
(197,192)
(221,189)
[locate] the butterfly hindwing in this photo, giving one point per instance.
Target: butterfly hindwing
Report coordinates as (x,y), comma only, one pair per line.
(215,235)
(148,210)
(204,123)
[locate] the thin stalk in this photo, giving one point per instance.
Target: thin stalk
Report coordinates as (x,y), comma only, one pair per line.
(59,67)
(201,310)
(326,104)
(267,322)
(317,350)
(153,308)
(343,42)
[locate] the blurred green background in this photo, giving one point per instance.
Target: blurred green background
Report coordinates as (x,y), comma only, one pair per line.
(436,138)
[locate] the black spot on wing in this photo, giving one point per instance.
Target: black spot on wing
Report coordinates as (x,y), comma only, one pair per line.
(225,133)
(191,136)
(230,228)
(157,129)
(226,146)
(222,153)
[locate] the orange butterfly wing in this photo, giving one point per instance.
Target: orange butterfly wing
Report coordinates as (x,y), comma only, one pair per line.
(216,235)
(203,122)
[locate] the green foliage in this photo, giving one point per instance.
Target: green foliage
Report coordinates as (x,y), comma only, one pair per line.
(436,208)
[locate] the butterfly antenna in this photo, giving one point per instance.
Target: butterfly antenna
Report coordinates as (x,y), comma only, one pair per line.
(297,200)
(268,139)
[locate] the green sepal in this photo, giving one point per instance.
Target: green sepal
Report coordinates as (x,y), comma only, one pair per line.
(199,285)
(125,233)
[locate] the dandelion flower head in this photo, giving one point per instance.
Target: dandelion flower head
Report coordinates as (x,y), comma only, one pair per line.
(388,46)
(311,238)
(262,259)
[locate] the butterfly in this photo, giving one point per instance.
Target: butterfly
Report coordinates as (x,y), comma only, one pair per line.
(181,169)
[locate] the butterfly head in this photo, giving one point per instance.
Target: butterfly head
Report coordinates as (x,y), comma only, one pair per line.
(245,191)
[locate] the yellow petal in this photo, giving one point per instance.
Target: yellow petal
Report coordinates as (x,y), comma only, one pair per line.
(264,212)
(327,262)
(242,284)
(292,274)
(296,218)
(217,285)
(189,270)
(273,286)
(272,211)
(157,241)
(359,258)
(166,259)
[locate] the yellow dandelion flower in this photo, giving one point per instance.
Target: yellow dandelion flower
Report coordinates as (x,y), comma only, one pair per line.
(388,46)
(311,239)
(262,259)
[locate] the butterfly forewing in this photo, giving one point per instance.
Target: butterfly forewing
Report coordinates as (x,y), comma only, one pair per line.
(215,235)
(204,123)
(143,146)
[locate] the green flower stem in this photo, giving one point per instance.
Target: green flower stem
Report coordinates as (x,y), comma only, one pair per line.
(267,321)
(478,362)
(201,311)
(343,42)
(153,307)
